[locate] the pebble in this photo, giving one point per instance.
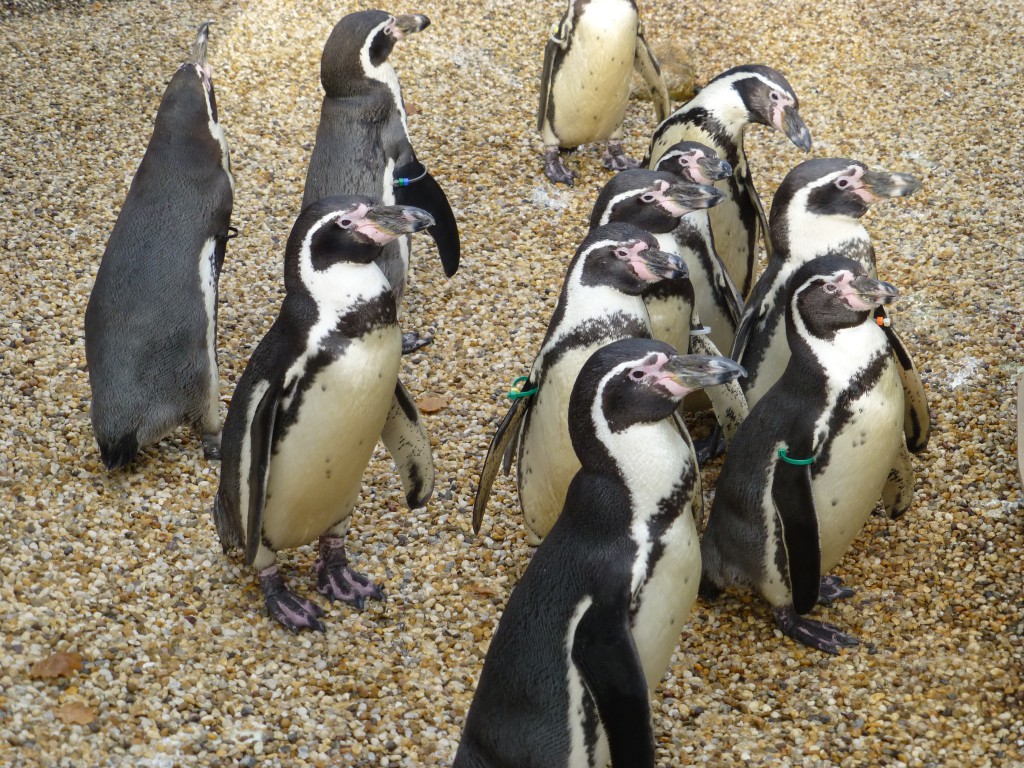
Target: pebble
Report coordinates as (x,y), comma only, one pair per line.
(182,667)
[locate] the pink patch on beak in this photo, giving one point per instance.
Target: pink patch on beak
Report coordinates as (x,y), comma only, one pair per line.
(634,258)
(779,112)
(693,165)
(851,296)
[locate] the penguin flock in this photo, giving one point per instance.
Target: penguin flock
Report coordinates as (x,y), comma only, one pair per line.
(818,404)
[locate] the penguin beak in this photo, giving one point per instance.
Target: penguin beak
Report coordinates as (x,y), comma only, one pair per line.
(879,184)
(714,169)
(659,265)
(864,292)
(409,24)
(199,46)
(688,373)
(793,126)
(693,197)
(386,222)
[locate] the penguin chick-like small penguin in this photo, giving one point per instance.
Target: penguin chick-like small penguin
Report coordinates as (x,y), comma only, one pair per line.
(588,64)
(590,629)
(317,393)
(151,321)
(601,301)
(816,212)
(718,116)
(363,145)
(809,464)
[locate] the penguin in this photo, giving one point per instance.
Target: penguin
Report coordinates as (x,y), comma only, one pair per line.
(718,116)
(600,301)
(659,202)
(588,65)
(318,391)
(589,630)
(718,301)
(362,141)
(807,467)
(815,212)
(151,320)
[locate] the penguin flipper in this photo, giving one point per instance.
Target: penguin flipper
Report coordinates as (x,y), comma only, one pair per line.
(545,83)
(261,440)
(898,491)
(917,423)
(407,441)
(794,505)
(762,223)
(502,442)
(605,653)
(727,399)
(422,191)
(697,507)
(646,64)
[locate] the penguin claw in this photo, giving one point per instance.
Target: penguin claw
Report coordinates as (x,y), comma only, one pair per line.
(555,169)
(211,446)
(346,585)
(411,341)
(831,589)
(816,634)
(286,607)
(709,448)
(615,158)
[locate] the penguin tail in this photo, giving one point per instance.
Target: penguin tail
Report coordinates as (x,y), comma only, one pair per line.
(119,453)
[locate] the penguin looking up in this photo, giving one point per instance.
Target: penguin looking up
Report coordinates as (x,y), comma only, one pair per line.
(601,301)
(589,630)
(807,467)
(588,65)
(718,116)
(317,393)
(817,211)
(151,321)
(362,141)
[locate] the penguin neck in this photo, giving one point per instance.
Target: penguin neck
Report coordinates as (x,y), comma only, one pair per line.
(385,74)
(342,286)
(804,235)
(724,116)
(586,302)
(841,355)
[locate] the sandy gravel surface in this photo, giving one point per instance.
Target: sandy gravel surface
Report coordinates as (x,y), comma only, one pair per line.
(179,664)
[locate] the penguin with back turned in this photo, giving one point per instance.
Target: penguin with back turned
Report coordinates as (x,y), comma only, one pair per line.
(317,393)
(601,301)
(718,116)
(588,65)
(362,141)
(807,467)
(151,321)
(590,629)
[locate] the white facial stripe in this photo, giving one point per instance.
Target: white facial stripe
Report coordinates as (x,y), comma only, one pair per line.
(215,129)
(385,73)
(818,234)
(629,193)
(208,285)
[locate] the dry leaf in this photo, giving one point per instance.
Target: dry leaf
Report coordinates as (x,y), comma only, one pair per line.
(58,665)
(411,109)
(75,713)
(480,589)
(431,404)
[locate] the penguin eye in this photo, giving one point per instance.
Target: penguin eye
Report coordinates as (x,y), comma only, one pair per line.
(647,197)
(775,96)
(622,253)
(830,287)
(345,222)
(636,374)
(843,182)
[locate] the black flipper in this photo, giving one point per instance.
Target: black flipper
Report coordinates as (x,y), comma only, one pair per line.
(507,430)
(415,186)
(794,504)
(261,440)
(917,424)
(605,653)
(406,439)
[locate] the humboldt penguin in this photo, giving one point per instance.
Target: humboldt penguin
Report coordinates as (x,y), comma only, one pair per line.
(588,65)
(718,116)
(151,321)
(808,466)
(317,393)
(590,628)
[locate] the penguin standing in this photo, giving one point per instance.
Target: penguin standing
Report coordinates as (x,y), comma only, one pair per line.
(362,141)
(589,630)
(806,468)
(317,393)
(718,116)
(151,321)
(588,65)
(601,301)
(816,212)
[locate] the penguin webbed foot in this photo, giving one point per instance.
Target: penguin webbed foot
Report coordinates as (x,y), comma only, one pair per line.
(831,589)
(289,609)
(815,634)
(555,169)
(339,582)
(615,157)
(710,447)
(211,446)
(411,341)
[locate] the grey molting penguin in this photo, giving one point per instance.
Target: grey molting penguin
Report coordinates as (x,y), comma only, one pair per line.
(590,629)
(718,116)
(817,211)
(151,321)
(317,393)
(807,467)
(660,202)
(362,141)
(601,301)
(588,65)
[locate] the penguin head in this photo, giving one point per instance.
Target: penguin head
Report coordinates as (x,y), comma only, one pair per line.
(626,258)
(189,98)
(651,200)
(359,46)
(635,381)
(770,100)
(694,162)
(831,293)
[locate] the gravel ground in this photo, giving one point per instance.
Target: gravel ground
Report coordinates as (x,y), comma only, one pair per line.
(179,664)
